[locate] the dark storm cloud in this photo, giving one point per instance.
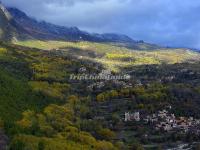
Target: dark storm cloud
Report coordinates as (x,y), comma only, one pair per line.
(166,22)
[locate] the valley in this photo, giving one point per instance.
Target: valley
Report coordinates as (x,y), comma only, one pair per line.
(58,90)
(44,68)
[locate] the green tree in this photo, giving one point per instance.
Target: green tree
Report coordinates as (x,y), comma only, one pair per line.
(59,116)
(101,97)
(106,134)
(73,100)
(41,145)
(17,145)
(114,94)
(29,119)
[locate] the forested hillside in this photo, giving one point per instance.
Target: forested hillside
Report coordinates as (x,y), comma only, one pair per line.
(62,88)
(41,108)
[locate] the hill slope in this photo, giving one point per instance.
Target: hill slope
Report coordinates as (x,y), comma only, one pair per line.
(9,28)
(6,30)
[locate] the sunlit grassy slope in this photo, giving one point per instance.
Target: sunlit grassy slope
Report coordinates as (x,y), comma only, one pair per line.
(113,56)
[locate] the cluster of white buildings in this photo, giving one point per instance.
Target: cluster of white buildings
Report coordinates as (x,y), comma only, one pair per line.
(132,116)
(165,121)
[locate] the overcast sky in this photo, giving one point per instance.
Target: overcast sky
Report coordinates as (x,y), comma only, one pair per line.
(166,22)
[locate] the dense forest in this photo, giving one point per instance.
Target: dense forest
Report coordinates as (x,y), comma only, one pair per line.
(42,109)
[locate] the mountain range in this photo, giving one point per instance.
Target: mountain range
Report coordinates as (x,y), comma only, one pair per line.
(16,25)
(43,30)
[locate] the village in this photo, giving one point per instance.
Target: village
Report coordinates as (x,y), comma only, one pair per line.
(165,121)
